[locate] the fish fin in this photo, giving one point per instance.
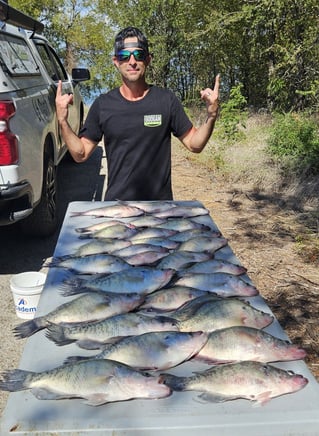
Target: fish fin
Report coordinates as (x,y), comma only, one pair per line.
(75,359)
(95,400)
(262,399)
(89,345)
(28,328)
(206,397)
(46,394)
(210,361)
(14,380)
(56,333)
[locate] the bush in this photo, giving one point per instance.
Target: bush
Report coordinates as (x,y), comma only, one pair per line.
(233,115)
(294,140)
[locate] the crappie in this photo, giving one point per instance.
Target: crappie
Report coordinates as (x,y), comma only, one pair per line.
(216,265)
(134,279)
(146,221)
(202,243)
(90,264)
(85,308)
(181,259)
(119,231)
(159,241)
(181,224)
(170,298)
(154,232)
(145,258)
(134,249)
(97,381)
(220,313)
(224,284)
(182,211)
(101,246)
(94,335)
(234,344)
(111,211)
(254,381)
(94,227)
(150,206)
(154,350)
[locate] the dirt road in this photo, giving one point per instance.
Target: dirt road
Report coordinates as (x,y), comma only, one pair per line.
(260,232)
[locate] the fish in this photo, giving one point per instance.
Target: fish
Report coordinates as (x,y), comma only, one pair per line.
(181,224)
(158,241)
(95,381)
(145,258)
(134,249)
(111,211)
(168,299)
(216,265)
(202,243)
(154,232)
(93,335)
(134,279)
(101,246)
(90,264)
(119,231)
(101,225)
(217,313)
(146,221)
(253,381)
(89,307)
(182,211)
(152,351)
(150,206)
(223,284)
(178,260)
(234,344)
(186,235)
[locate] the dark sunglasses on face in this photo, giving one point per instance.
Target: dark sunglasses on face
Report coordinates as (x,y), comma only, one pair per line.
(139,55)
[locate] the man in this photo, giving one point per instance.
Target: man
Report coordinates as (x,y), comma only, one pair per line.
(136,120)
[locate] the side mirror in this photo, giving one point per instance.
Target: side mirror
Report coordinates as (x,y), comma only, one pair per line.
(80,74)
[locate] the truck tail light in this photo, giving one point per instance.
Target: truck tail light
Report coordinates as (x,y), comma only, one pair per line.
(8,141)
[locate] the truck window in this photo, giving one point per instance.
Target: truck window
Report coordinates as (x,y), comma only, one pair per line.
(16,57)
(51,61)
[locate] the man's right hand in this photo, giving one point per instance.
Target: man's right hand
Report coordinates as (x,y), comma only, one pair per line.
(62,102)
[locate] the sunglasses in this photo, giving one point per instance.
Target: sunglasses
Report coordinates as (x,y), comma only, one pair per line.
(139,55)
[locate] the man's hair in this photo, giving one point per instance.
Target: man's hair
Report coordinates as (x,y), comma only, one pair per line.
(129,32)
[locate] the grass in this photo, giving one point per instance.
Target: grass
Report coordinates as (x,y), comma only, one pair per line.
(245,164)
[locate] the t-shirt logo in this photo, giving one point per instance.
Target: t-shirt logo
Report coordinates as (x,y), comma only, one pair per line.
(152,120)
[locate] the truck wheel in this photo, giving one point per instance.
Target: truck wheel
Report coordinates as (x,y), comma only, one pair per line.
(44,220)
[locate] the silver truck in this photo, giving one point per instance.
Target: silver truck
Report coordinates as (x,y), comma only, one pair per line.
(31,146)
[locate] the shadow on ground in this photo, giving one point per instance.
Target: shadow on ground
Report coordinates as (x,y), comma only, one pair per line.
(76,182)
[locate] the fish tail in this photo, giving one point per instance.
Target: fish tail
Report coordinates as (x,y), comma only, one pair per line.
(174,382)
(56,333)
(72,287)
(28,328)
(14,380)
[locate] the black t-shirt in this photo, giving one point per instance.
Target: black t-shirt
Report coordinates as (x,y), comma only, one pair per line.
(137,138)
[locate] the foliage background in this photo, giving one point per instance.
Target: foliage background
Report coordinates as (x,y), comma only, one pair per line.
(269,47)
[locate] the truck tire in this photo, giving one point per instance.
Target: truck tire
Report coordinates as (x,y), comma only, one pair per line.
(44,219)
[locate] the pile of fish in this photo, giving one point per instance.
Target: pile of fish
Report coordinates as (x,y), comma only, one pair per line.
(151,292)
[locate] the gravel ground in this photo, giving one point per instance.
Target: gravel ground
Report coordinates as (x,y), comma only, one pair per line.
(18,254)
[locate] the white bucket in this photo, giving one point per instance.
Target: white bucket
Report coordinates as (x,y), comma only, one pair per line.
(26,289)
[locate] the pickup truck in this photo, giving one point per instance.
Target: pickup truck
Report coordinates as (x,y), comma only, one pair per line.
(31,146)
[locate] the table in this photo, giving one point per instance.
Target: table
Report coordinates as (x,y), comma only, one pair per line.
(179,414)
